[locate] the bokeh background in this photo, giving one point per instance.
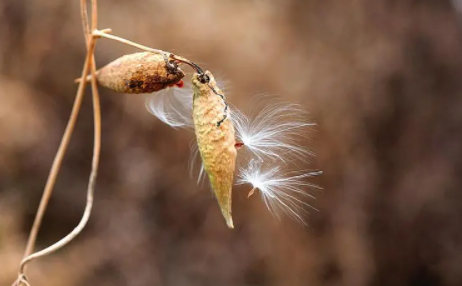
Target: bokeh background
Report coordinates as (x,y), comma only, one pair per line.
(382,78)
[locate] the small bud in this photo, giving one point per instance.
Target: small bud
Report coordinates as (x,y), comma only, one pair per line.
(143,72)
(216,142)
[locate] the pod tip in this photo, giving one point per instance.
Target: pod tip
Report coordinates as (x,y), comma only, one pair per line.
(229,222)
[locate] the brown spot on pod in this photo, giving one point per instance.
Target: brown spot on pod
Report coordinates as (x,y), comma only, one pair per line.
(139,73)
(216,143)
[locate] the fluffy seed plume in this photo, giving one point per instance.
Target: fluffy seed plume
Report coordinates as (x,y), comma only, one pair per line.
(275,132)
(194,158)
(143,72)
(173,106)
(215,139)
(282,192)
(274,136)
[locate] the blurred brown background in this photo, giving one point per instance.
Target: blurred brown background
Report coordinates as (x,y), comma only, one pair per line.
(382,78)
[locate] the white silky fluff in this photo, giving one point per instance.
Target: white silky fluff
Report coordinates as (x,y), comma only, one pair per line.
(273,137)
(173,106)
(275,132)
(282,192)
(193,159)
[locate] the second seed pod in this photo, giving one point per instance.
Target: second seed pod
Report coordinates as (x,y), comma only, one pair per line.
(216,140)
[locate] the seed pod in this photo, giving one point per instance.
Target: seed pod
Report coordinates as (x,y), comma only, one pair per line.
(143,72)
(216,141)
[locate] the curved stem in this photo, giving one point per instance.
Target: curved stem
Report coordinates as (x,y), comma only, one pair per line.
(102,34)
(57,163)
(89,64)
(196,67)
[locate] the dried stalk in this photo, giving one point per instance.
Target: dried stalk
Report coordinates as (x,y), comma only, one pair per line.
(104,34)
(89,65)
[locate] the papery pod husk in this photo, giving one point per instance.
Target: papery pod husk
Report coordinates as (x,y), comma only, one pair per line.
(143,72)
(216,143)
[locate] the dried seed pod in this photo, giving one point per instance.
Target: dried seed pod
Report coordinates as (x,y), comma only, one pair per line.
(143,72)
(216,141)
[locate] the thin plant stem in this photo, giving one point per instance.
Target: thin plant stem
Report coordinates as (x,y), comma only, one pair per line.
(57,162)
(89,65)
(103,34)
(84,19)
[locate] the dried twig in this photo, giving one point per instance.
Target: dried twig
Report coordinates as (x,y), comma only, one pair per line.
(88,66)
(104,34)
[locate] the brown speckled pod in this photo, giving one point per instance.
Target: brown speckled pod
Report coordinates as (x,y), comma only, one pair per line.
(138,73)
(216,143)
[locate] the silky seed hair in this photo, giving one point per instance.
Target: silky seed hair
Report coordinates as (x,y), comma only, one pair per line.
(276,132)
(283,192)
(173,105)
(274,164)
(272,142)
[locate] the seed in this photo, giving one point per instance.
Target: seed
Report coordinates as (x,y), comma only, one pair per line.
(216,141)
(143,72)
